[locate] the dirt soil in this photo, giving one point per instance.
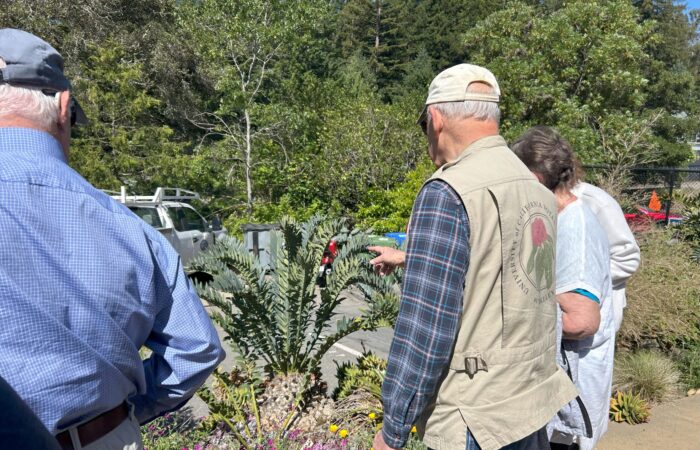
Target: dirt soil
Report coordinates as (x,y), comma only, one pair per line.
(672,426)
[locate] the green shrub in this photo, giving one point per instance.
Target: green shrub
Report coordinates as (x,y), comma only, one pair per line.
(663,297)
(367,374)
(690,227)
(652,376)
(389,210)
(630,408)
(689,365)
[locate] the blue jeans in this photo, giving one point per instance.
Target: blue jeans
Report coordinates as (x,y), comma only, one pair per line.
(536,441)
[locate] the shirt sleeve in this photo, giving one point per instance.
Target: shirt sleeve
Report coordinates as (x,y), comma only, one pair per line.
(437,258)
(184,343)
(624,251)
(583,258)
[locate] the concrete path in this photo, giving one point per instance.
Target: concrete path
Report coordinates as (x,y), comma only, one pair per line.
(672,426)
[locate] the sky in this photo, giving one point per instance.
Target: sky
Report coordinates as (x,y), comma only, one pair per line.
(692,4)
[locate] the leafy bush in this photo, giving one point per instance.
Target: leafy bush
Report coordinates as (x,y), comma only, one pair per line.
(389,210)
(689,365)
(690,227)
(663,297)
(630,408)
(367,374)
(650,375)
(280,317)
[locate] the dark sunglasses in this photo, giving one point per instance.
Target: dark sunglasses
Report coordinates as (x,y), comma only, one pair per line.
(71,105)
(73,112)
(424,125)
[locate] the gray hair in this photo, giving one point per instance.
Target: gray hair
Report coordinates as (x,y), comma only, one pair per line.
(472,108)
(29,103)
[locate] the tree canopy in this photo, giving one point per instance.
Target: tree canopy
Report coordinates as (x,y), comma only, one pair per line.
(269,107)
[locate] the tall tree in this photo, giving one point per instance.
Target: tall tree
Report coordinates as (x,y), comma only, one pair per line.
(580,68)
(672,74)
(240,43)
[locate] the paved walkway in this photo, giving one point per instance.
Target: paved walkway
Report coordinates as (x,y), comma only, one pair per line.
(672,426)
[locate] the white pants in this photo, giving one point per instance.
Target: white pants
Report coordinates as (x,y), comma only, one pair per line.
(127,436)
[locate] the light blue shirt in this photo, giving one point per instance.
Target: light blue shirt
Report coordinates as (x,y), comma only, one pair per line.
(85,283)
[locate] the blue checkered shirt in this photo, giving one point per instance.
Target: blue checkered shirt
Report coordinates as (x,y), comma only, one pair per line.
(437,259)
(85,283)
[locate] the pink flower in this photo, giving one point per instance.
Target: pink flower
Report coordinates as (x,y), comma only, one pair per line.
(539,232)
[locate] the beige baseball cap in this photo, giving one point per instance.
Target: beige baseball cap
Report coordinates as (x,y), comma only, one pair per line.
(451,86)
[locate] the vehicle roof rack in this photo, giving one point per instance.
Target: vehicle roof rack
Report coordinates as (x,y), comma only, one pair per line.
(161,194)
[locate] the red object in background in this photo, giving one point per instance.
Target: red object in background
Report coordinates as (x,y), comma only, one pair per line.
(330,253)
(645,216)
(326,268)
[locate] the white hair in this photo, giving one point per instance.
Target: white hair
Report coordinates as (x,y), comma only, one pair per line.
(29,103)
(478,110)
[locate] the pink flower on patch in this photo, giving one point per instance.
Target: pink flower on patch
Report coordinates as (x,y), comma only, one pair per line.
(539,232)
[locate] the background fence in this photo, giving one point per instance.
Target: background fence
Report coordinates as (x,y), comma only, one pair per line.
(634,187)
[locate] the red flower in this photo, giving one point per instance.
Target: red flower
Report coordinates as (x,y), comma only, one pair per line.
(539,232)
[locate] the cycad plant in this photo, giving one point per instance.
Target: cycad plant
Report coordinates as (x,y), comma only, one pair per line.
(280,317)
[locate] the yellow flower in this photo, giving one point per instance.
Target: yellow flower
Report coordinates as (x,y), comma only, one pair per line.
(413,430)
(372,416)
(333,428)
(343,434)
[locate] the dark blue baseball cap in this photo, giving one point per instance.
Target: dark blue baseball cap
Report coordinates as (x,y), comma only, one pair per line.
(33,63)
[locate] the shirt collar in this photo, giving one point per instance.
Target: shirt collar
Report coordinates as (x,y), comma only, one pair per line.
(29,140)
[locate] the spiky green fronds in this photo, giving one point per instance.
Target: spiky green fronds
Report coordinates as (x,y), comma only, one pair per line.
(280,317)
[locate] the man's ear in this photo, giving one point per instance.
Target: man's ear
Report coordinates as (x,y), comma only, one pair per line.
(63,110)
(437,120)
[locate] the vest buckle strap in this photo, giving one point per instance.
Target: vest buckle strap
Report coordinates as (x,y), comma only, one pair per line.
(473,364)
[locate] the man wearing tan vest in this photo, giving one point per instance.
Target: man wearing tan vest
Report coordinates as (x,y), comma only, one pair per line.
(472,363)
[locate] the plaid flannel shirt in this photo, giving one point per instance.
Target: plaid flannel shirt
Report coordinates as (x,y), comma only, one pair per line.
(437,259)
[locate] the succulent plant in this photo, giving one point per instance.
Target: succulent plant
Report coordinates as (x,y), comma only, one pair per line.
(630,408)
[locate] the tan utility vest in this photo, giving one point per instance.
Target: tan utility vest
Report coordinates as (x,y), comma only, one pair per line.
(503,382)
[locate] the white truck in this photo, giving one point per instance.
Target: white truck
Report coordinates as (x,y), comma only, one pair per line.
(167,211)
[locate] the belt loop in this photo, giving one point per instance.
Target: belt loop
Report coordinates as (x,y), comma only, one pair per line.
(74,438)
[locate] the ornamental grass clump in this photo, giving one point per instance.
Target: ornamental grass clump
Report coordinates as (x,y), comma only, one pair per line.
(648,374)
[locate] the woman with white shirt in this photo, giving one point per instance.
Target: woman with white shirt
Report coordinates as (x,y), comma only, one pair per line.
(583,292)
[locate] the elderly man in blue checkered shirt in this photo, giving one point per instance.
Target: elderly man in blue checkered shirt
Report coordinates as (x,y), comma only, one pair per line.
(85,283)
(472,361)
